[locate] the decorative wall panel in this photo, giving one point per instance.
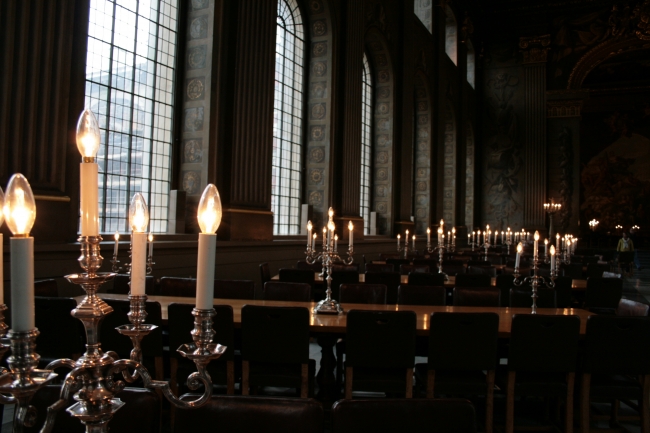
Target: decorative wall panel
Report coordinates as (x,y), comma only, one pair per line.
(423,155)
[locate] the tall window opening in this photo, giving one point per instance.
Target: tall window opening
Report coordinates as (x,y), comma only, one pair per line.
(366,140)
(451,36)
(287,120)
(471,64)
(422,9)
(130,88)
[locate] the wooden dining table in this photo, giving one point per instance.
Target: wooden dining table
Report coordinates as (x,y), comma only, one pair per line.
(577,285)
(328,328)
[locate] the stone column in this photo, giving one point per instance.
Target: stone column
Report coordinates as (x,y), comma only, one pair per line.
(535,50)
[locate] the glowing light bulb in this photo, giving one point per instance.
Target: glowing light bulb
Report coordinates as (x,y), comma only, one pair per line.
(330,212)
(536,236)
(88,137)
(2,202)
(19,206)
(309,226)
(350,226)
(428,230)
(520,248)
(209,212)
(552,250)
(138,214)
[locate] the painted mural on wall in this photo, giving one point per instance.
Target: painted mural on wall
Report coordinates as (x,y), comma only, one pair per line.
(502,151)
(615,175)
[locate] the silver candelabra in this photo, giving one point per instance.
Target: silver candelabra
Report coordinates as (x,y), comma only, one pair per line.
(95,377)
(536,281)
(441,248)
(328,257)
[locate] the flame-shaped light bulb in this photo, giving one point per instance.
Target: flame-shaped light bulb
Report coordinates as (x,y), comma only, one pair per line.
(19,207)
(88,137)
(209,212)
(2,202)
(138,214)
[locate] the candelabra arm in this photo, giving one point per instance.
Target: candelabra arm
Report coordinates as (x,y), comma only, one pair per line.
(70,386)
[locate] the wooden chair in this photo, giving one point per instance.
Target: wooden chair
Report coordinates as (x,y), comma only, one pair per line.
(265,273)
(521,297)
(461,347)
(482,270)
(275,348)
(368,366)
(60,334)
(472,280)
(408,269)
(341,277)
(251,415)
(401,415)
(363,293)
(603,294)
(175,286)
(421,295)
(542,361)
(289,275)
(616,365)
(314,267)
(283,291)
(563,292)
(234,289)
(426,279)
(181,324)
(377,267)
(48,288)
(391,280)
(504,283)
(476,296)
(627,307)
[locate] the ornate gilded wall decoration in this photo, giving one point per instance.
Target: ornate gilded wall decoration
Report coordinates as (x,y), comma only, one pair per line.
(191,182)
(193,119)
(193,151)
(630,17)
(195,89)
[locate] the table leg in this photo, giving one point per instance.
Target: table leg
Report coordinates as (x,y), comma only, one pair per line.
(327,391)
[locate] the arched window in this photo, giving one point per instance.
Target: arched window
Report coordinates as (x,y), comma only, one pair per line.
(130,65)
(422,9)
(471,64)
(451,36)
(287,120)
(366,140)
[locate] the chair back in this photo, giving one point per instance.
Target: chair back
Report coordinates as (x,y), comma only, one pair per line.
(368,332)
(121,284)
(485,263)
(432,264)
(463,341)
(314,267)
(521,297)
(341,277)
(403,415)
(392,281)
(234,289)
(421,295)
(289,275)
(426,279)
(627,307)
(48,288)
(53,320)
(541,343)
(472,280)
(291,292)
(505,282)
(408,269)
(140,414)
(265,273)
(181,323)
(563,293)
(275,334)
(363,294)
(379,267)
(346,268)
(596,270)
(252,414)
(573,270)
(490,271)
(397,262)
(476,296)
(617,345)
(386,256)
(603,293)
(175,286)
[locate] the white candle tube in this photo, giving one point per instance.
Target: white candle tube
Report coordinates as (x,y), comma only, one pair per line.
(552,259)
(473,237)
(117,243)
(2,277)
(22,283)
(517,259)
(138,263)
(545,247)
(308,234)
(413,242)
(535,246)
(205,270)
(324,236)
(89,174)
(336,243)
(428,236)
(351,235)
(557,243)
(502,233)
(150,238)
(398,240)
(313,242)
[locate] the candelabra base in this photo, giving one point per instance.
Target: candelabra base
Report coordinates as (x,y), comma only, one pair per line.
(88,415)
(328,306)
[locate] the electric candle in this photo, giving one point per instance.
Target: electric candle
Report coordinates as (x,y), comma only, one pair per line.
(552,250)
(324,236)
(88,140)
(473,237)
(117,242)
(313,242)
(413,242)
(351,238)
(502,233)
(557,242)
(398,240)
(478,234)
(139,219)
(150,238)
(428,236)
(2,217)
(496,232)
(406,238)
(330,232)
(336,243)
(309,227)
(545,247)
(439,236)
(535,244)
(20,212)
(209,217)
(520,249)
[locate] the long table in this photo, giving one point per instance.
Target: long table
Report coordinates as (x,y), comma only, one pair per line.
(328,328)
(336,324)
(577,285)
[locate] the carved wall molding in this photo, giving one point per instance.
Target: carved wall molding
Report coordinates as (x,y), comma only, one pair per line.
(535,48)
(597,55)
(571,108)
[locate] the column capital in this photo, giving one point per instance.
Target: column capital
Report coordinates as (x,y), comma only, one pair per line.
(535,48)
